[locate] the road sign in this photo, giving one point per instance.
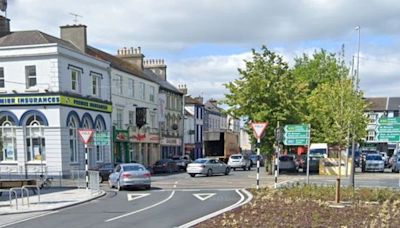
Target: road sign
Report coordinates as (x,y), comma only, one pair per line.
(85,135)
(297,128)
(259,128)
(388,129)
(101,138)
(388,137)
(389,121)
(296,142)
(297,134)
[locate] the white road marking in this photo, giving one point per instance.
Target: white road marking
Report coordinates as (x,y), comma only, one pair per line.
(233,206)
(204,196)
(143,209)
(133,196)
(27,219)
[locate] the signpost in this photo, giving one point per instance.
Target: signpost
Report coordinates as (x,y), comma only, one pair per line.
(258,130)
(299,135)
(101,138)
(86,135)
(388,130)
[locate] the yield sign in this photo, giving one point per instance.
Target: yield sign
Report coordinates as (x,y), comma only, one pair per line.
(136,196)
(259,128)
(204,196)
(85,135)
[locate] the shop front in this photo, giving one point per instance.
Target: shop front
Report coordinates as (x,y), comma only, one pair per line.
(145,147)
(121,146)
(171,147)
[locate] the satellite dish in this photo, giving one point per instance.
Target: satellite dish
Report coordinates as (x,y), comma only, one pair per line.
(3,5)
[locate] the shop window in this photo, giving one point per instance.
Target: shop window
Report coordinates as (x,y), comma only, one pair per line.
(35,140)
(100,149)
(8,152)
(73,140)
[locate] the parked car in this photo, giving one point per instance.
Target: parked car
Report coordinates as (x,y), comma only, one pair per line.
(104,170)
(207,166)
(357,157)
(254,158)
(130,175)
(314,163)
(182,161)
(239,161)
(165,166)
(396,164)
(392,160)
(288,163)
(373,162)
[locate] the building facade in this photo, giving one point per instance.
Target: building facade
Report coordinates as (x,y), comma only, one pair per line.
(195,131)
(50,88)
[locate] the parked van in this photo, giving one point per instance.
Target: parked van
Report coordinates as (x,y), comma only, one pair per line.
(319,150)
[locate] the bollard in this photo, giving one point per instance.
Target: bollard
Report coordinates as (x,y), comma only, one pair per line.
(337,198)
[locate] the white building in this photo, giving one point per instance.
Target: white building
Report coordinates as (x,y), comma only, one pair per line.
(50,87)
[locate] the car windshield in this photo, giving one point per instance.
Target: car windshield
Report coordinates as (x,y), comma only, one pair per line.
(201,161)
(317,151)
(133,168)
(236,157)
(374,158)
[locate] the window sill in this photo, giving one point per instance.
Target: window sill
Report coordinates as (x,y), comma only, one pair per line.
(36,162)
(74,163)
(32,89)
(8,162)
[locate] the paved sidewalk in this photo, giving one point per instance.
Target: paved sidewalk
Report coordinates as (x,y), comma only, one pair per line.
(48,201)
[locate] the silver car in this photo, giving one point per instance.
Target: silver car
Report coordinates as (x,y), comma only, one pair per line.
(207,166)
(239,161)
(130,175)
(373,162)
(396,164)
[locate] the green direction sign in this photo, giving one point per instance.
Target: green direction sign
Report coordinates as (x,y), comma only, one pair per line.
(296,142)
(389,120)
(296,135)
(388,137)
(101,138)
(297,128)
(388,129)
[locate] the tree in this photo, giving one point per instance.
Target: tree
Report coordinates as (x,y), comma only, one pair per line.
(265,92)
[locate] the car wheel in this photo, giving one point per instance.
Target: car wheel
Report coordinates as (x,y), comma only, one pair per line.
(227,170)
(192,175)
(147,187)
(209,172)
(234,169)
(249,168)
(244,168)
(119,188)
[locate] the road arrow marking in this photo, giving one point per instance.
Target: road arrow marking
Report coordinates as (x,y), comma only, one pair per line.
(133,196)
(204,196)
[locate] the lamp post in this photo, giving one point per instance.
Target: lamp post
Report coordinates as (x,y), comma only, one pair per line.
(353,168)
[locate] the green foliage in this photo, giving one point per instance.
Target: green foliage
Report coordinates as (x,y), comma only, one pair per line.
(265,92)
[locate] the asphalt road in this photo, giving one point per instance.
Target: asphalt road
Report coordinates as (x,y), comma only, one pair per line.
(177,199)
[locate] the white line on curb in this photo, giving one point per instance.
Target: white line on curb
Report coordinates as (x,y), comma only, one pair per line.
(143,209)
(233,206)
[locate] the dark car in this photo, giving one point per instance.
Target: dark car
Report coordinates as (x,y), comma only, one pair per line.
(254,158)
(165,166)
(314,164)
(357,157)
(182,161)
(105,170)
(288,163)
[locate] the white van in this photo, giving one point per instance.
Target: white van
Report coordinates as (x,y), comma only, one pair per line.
(319,150)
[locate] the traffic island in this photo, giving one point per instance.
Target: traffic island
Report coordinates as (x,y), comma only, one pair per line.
(313,206)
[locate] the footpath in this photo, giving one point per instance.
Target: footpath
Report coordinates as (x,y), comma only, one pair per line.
(48,201)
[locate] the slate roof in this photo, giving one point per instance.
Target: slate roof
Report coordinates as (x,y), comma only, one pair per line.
(33,37)
(191,100)
(394,103)
(376,103)
(163,84)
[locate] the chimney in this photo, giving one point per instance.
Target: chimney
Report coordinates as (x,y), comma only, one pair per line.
(132,55)
(157,66)
(199,99)
(4,26)
(76,34)
(213,102)
(183,89)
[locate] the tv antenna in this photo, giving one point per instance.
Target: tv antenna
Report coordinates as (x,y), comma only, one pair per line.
(75,17)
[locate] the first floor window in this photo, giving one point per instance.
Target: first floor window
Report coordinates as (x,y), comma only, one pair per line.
(75,80)
(30,74)
(73,141)
(8,152)
(95,85)
(35,141)
(99,148)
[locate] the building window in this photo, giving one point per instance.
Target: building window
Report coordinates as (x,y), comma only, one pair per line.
(30,74)
(35,141)
(75,80)
(8,152)
(120,115)
(100,149)
(118,84)
(96,85)
(1,77)
(152,91)
(131,118)
(142,91)
(73,139)
(153,120)
(131,88)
